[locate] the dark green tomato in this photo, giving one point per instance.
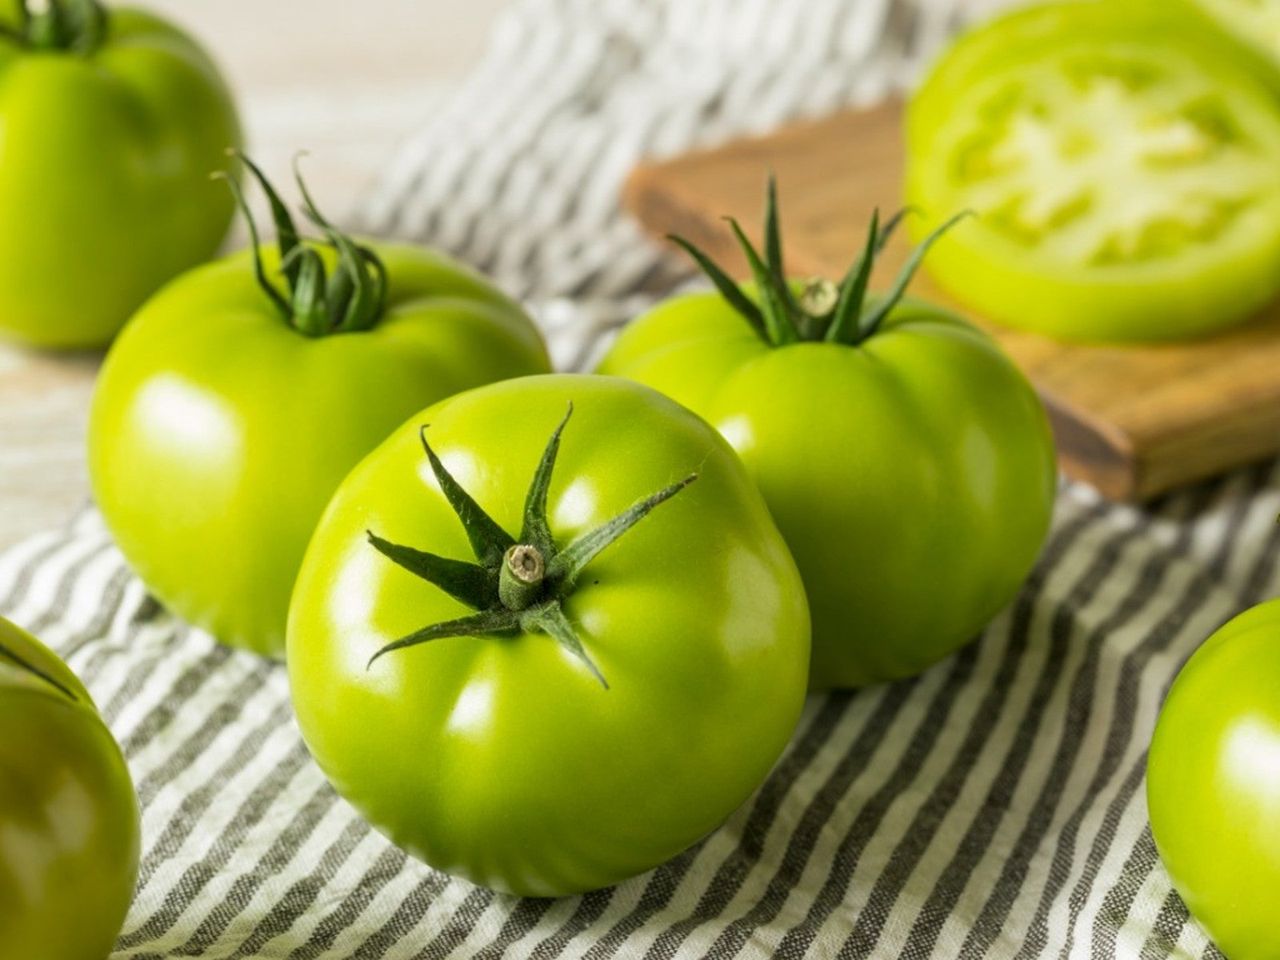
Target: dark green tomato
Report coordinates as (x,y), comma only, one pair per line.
(104,175)
(912,474)
(504,757)
(1125,189)
(69,826)
(219,431)
(1213,784)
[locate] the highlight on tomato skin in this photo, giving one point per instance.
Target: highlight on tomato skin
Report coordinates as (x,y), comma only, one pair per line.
(906,460)
(69,853)
(1213,784)
(572,634)
(238,397)
(1124,190)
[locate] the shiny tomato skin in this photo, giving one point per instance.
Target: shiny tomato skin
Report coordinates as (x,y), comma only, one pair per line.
(70,839)
(1124,190)
(912,475)
(1213,784)
(502,759)
(104,177)
(218,432)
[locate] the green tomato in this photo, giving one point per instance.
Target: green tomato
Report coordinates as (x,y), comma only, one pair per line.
(69,825)
(906,461)
(597,714)
(220,428)
(110,134)
(1213,784)
(1125,189)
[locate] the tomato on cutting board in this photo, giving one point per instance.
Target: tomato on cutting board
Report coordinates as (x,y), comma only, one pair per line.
(69,823)
(1121,156)
(238,398)
(112,121)
(1213,784)
(906,460)
(547,635)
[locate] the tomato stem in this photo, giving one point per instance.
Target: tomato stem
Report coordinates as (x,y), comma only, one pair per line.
(316,301)
(513,586)
(823,311)
(523,573)
(23,664)
(73,26)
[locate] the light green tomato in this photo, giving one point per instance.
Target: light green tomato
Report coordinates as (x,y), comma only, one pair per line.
(104,176)
(503,757)
(69,825)
(1213,784)
(911,474)
(219,431)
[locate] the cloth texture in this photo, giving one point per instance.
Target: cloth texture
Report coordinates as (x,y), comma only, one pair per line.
(992,807)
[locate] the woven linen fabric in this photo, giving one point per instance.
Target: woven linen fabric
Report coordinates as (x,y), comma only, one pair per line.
(993,807)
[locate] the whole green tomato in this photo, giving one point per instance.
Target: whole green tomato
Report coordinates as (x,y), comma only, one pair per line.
(907,462)
(1213,784)
(611,676)
(113,120)
(1125,189)
(228,411)
(69,826)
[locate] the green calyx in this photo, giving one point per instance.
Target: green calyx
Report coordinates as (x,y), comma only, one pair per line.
(514,585)
(73,26)
(315,301)
(821,310)
(31,668)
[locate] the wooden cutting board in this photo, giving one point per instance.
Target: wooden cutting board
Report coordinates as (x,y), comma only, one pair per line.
(1134,421)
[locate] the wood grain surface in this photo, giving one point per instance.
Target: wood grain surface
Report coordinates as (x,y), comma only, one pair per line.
(1134,421)
(344,81)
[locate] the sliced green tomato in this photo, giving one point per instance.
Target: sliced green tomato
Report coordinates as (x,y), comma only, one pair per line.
(1125,190)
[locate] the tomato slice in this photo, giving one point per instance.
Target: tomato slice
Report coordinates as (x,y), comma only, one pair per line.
(1123,160)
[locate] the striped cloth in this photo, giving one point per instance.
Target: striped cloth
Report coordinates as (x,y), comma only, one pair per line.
(991,808)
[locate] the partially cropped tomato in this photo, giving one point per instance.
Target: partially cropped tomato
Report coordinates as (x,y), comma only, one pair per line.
(229,410)
(69,830)
(1121,156)
(112,122)
(907,462)
(1213,784)
(548,664)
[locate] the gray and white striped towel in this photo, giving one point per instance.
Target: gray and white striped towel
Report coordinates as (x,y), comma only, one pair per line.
(991,808)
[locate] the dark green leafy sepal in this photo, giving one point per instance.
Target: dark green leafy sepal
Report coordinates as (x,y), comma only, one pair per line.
(315,301)
(514,585)
(835,313)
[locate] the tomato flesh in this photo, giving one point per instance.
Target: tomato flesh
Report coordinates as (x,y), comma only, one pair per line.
(1124,190)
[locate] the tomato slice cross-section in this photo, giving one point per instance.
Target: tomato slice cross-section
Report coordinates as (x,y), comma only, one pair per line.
(1125,172)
